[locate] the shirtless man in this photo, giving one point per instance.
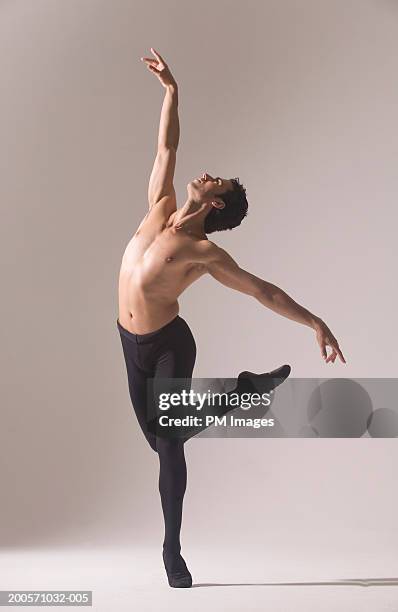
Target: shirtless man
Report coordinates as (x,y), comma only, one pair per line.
(168,252)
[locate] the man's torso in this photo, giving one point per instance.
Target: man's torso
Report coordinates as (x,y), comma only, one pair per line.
(159,263)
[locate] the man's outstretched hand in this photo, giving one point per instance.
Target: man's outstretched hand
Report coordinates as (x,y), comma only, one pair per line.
(325,338)
(159,67)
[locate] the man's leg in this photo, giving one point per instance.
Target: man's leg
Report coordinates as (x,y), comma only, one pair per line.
(176,360)
(137,382)
(165,354)
(247,383)
(172,486)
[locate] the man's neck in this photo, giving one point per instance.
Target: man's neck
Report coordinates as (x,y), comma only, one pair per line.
(191,217)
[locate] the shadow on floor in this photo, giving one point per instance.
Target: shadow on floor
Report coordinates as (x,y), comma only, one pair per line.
(364,582)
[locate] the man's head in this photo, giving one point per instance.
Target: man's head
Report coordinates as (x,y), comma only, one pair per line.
(226,198)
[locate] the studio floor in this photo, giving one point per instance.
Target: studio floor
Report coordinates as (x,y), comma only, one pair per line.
(134,579)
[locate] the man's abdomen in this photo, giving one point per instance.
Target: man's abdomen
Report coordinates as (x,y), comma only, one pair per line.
(142,312)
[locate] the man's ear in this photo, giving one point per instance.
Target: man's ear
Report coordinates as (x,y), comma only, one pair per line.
(218,204)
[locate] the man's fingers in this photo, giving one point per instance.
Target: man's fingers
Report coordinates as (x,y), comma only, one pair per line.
(332,356)
(158,56)
(153,64)
(325,338)
(336,348)
(153,69)
(150,60)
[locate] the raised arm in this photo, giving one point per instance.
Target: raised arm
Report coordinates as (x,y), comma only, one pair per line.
(221,266)
(161,188)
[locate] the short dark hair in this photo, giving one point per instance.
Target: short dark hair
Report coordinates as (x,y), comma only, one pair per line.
(234,211)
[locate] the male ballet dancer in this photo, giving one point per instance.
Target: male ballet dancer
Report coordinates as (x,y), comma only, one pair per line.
(168,252)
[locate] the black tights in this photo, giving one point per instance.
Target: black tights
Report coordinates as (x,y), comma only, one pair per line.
(168,352)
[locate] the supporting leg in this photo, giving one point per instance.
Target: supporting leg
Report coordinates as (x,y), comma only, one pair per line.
(172,486)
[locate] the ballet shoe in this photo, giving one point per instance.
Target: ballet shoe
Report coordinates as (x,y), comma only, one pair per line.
(263,383)
(179,575)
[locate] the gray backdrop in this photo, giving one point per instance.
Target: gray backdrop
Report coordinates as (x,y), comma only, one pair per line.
(299,100)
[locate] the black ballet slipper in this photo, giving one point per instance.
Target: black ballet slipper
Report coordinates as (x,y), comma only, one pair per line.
(262,383)
(177,572)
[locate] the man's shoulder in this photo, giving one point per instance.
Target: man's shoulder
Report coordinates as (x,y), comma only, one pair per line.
(209,251)
(153,221)
(206,246)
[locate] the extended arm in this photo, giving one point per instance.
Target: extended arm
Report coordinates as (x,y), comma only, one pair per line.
(223,268)
(169,126)
(161,188)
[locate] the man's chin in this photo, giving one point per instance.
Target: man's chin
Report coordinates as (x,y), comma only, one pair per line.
(193,190)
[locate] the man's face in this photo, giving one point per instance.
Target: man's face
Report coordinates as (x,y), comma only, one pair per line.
(207,188)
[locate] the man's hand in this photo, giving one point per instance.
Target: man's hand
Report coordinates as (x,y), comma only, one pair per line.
(159,67)
(325,338)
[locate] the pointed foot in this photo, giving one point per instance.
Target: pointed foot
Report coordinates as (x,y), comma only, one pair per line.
(262,383)
(178,575)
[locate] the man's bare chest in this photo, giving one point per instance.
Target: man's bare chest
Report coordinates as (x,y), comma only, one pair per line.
(164,248)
